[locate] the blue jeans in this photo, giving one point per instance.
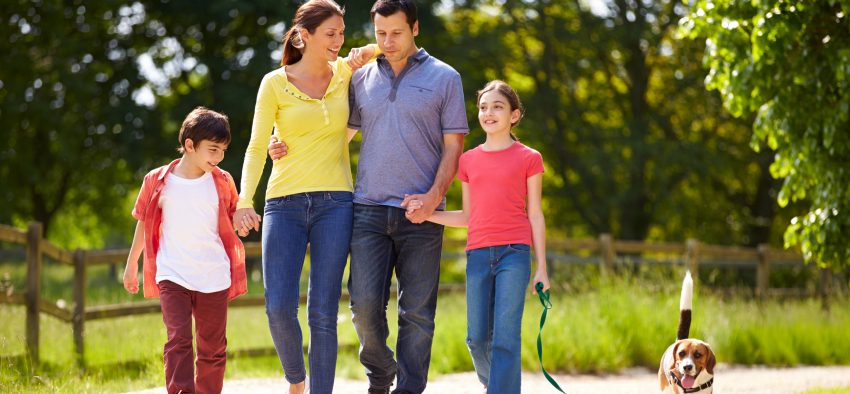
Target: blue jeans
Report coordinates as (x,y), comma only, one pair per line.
(496,281)
(384,241)
(324,220)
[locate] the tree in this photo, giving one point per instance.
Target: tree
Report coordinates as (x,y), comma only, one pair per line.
(70,124)
(615,103)
(787,64)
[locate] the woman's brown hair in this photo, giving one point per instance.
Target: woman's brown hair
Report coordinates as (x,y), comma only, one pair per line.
(308,16)
(513,99)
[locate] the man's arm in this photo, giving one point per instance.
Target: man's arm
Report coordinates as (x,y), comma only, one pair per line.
(452,149)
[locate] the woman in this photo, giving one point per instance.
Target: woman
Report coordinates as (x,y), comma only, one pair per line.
(309,193)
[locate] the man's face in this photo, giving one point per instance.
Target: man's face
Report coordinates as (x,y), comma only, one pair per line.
(395,37)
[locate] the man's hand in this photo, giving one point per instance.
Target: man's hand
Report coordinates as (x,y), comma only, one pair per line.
(131,279)
(429,203)
(244,220)
(277,148)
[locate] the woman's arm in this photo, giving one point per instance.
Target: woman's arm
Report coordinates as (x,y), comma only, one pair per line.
(265,111)
(538,228)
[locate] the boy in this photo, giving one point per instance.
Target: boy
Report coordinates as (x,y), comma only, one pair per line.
(193,260)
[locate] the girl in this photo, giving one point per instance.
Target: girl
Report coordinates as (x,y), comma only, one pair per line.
(309,193)
(499,177)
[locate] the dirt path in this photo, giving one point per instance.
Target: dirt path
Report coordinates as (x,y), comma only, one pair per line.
(728,380)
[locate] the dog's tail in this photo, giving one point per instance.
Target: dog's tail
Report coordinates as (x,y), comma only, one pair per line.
(685,305)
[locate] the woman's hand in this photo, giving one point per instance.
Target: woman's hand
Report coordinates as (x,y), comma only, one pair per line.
(357,57)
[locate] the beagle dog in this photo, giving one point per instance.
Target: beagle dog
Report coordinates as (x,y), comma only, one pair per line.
(687,365)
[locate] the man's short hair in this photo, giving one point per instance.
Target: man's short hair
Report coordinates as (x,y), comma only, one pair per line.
(204,124)
(389,7)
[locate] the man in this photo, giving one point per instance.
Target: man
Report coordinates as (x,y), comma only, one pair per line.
(409,107)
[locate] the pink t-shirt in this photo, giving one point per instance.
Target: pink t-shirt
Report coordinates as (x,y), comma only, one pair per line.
(498,190)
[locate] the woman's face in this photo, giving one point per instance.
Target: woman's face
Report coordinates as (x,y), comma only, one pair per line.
(327,40)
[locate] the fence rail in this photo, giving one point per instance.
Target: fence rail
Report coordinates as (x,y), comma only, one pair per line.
(605,247)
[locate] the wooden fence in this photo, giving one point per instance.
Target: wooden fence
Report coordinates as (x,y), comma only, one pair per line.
(605,247)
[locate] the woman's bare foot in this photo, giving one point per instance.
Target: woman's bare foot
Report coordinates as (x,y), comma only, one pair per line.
(297,388)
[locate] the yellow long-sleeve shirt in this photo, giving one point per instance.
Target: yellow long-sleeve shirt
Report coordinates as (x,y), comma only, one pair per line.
(314,131)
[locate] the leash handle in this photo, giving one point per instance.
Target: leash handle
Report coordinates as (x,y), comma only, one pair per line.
(547,304)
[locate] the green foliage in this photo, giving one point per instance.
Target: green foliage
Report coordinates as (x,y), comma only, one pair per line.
(787,63)
(633,143)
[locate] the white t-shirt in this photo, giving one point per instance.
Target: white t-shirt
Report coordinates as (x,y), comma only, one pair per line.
(190,251)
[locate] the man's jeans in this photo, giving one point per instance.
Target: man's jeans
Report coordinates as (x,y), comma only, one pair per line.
(324,220)
(383,240)
(496,282)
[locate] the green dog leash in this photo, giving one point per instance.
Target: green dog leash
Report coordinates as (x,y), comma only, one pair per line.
(544,299)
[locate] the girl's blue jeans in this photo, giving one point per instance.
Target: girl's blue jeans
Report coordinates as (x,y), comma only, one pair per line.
(496,282)
(322,219)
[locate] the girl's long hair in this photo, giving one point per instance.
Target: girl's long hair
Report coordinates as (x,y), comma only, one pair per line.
(308,16)
(513,99)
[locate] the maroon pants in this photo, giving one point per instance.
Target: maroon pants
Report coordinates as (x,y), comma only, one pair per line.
(179,305)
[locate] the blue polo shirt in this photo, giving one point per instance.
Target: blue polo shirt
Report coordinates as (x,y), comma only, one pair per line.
(403,119)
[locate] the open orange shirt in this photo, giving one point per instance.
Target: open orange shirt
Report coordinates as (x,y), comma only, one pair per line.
(148,211)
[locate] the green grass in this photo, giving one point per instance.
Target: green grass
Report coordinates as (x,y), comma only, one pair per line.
(596,325)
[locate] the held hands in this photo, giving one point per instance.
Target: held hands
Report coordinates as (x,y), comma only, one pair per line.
(246,219)
(277,148)
(419,206)
(360,56)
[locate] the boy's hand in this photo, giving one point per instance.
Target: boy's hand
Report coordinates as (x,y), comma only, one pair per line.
(131,280)
(277,148)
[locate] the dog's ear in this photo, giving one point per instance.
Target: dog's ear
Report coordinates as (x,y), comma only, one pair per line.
(710,360)
(675,354)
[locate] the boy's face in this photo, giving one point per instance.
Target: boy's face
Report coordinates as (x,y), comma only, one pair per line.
(205,155)
(394,36)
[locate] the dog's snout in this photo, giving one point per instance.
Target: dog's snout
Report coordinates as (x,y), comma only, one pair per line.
(688,368)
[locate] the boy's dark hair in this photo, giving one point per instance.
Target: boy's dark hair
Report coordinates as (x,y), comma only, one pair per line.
(389,7)
(204,124)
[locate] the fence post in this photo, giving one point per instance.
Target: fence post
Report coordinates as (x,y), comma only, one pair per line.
(78,317)
(34,259)
(692,256)
(607,252)
(763,271)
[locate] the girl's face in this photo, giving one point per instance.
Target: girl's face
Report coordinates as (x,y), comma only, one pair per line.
(327,40)
(495,114)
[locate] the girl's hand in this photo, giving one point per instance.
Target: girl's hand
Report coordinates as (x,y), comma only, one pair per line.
(131,280)
(540,276)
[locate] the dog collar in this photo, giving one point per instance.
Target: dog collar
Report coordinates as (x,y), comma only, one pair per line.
(692,389)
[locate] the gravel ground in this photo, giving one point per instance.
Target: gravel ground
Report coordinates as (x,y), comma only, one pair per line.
(727,380)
